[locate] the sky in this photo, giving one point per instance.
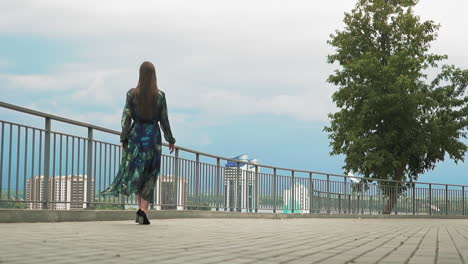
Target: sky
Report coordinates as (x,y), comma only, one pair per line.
(239,76)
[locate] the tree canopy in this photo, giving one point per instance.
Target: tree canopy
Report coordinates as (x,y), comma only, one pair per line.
(393,122)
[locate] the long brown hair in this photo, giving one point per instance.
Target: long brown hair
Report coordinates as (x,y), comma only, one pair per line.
(146,91)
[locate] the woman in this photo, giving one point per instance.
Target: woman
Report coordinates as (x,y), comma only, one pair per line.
(141,141)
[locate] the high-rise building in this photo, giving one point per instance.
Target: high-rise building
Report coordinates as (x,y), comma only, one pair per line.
(239,183)
(300,201)
(65,192)
(165,192)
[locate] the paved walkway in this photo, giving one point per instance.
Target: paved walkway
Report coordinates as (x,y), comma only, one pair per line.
(238,241)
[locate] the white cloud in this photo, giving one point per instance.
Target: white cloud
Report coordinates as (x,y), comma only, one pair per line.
(214,58)
(4,63)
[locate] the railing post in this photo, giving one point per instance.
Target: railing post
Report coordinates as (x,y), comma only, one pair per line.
(238,189)
(328,194)
(446,199)
(311,192)
(463,200)
(339,203)
(46,163)
(362,196)
(293,196)
(257,186)
(197,177)
(345,192)
(414,199)
(218,179)
(275,179)
(1,161)
(89,173)
(246,189)
(430,199)
(176,178)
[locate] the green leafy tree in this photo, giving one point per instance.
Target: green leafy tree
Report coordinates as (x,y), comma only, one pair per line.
(394,124)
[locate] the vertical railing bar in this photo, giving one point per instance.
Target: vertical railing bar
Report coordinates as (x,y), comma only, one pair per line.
(218,180)
(205,182)
(54,198)
(183,189)
(190,175)
(67,148)
(1,159)
(72,174)
(10,145)
(94,175)
(190,191)
(25,163)
(257,186)
(18,161)
(32,184)
(77,177)
(293,196)
(197,176)
(46,162)
(275,179)
(81,179)
(162,200)
(212,186)
(170,162)
(176,178)
(245,185)
(463,200)
(100,171)
(105,171)
(345,193)
(311,192)
(236,199)
(446,200)
(328,194)
(60,169)
(202,183)
(90,175)
(361,183)
(40,167)
(430,199)
(112,175)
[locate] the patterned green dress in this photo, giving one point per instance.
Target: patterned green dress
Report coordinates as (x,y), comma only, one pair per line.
(141,161)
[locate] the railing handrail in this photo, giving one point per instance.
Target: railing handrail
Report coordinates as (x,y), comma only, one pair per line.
(88,125)
(57,118)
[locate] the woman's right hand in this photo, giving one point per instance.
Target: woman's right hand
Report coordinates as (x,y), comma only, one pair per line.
(172,147)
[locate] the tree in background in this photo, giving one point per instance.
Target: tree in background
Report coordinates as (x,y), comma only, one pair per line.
(393,123)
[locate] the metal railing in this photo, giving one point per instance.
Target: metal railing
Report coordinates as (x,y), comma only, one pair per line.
(44,168)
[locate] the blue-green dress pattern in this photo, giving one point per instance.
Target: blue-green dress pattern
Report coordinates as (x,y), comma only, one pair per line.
(141,160)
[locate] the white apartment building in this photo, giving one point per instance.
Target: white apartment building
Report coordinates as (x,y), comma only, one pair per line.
(300,199)
(165,192)
(239,184)
(71,188)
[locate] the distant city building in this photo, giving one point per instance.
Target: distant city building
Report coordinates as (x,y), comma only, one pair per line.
(165,192)
(300,199)
(65,192)
(239,183)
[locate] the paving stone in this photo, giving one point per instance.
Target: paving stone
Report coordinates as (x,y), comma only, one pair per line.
(238,241)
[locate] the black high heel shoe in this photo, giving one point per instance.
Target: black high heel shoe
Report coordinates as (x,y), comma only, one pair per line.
(138,215)
(143,220)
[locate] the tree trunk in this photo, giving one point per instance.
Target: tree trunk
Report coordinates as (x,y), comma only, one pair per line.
(391,202)
(394,192)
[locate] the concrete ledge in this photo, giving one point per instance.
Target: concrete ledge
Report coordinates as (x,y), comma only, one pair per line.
(18,216)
